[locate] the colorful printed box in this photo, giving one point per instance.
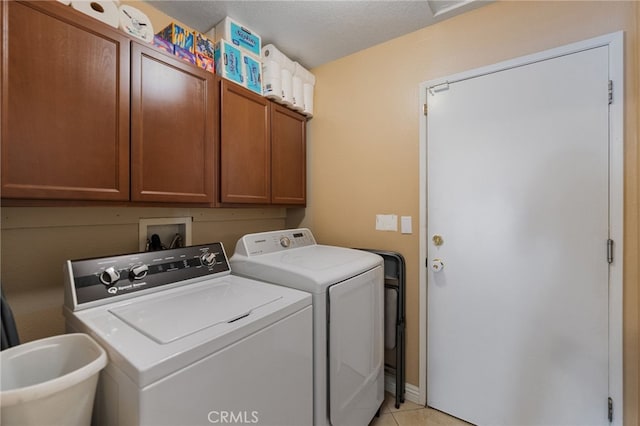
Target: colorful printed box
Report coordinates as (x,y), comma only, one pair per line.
(163,44)
(252,73)
(241,36)
(204,46)
(179,36)
(205,63)
(184,54)
(228,61)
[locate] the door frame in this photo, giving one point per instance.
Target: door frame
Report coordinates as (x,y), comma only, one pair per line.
(615,43)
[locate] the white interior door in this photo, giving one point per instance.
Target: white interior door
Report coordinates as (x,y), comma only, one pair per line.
(517,184)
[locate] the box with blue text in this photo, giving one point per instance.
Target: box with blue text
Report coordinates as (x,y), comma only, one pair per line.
(228,61)
(239,35)
(252,69)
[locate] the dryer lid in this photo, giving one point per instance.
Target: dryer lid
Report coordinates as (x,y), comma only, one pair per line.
(173,317)
(313,268)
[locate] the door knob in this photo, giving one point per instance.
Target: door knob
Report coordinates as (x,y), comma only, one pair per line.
(437,265)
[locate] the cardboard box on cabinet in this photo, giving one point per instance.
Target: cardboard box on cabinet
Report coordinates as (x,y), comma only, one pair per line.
(205,63)
(252,69)
(163,44)
(178,36)
(232,31)
(184,54)
(204,46)
(228,61)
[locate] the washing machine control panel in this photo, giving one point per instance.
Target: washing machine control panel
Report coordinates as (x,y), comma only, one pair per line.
(271,242)
(104,278)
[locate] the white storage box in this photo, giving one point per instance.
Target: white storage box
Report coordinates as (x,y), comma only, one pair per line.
(50,381)
(239,35)
(228,60)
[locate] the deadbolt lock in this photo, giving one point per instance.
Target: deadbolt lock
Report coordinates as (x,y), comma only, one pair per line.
(437,240)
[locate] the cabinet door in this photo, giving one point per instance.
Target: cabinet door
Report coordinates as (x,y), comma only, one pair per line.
(288,156)
(65,105)
(245,152)
(173,114)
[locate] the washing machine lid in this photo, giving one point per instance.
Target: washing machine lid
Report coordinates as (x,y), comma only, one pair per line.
(152,336)
(178,315)
(311,268)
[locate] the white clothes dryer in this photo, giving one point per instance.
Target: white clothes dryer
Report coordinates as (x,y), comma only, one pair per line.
(190,344)
(347,287)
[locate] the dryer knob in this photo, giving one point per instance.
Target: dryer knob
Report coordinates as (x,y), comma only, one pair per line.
(208,259)
(110,276)
(285,242)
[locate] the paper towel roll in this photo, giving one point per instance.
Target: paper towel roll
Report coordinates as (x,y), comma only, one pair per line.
(272,80)
(134,22)
(105,11)
(308,82)
(298,95)
(287,68)
(271,53)
(307,100)
(287,86)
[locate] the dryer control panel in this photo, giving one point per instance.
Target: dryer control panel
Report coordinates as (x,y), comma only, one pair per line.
(274,241)
(91,281)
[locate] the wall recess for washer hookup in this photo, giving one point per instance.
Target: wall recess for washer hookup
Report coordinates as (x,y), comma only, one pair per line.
(167,229)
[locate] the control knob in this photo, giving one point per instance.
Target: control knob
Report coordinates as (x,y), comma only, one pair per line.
(138,272)
(285,242)
(110,276)
(208,259)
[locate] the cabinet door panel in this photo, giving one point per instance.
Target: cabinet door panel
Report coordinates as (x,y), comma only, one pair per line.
(245,152)
(65,112)
(288,156)
(172,123)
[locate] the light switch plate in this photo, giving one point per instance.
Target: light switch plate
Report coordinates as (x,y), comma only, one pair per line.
(405,225)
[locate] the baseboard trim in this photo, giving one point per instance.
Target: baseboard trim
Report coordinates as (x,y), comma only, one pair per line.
(411,392)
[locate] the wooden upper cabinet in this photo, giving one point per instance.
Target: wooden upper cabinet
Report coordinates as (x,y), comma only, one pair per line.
(65,105)
(245,149)
(173,120)
(288,156)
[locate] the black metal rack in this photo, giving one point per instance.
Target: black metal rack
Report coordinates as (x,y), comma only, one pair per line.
(394,318)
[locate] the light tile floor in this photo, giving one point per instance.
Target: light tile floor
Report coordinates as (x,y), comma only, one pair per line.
(410,414)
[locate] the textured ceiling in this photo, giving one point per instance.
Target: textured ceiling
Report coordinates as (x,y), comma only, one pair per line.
(316,32)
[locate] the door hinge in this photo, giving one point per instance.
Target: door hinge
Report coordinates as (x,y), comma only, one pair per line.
(425,109)
(610,250)
(610,92)
(610,409)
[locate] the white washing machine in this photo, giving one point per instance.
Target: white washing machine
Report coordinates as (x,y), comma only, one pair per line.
(347,287)
(190,344)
